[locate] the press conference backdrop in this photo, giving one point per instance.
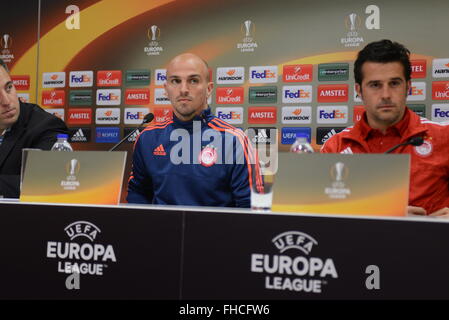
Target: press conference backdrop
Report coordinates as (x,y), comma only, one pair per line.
(284,64)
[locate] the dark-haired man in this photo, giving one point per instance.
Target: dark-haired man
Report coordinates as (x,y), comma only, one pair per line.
(382,73)
(22,125)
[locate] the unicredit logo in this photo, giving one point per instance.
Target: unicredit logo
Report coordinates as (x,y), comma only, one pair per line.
(162,114)
(110,78)
(298,73)
(53,98)
(440,90)
(229,95)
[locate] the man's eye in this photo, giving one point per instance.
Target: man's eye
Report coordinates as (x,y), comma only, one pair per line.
(374,85)
(9,87)
(195,81)
(175,81)
(395,83)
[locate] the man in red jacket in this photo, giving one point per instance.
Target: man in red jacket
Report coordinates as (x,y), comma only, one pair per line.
(382,75)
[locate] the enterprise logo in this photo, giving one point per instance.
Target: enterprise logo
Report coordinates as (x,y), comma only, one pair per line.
(80,116)
(160,96)
(262,115)
(289,134)
(419,69)
(137,96)
(333,93)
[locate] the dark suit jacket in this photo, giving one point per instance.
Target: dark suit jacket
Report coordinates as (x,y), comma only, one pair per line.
(35,128)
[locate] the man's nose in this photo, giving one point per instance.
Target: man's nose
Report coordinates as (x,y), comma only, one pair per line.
(184,88)
(4,98)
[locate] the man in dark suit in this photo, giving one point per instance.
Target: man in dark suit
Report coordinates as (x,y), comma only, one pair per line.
(22,125)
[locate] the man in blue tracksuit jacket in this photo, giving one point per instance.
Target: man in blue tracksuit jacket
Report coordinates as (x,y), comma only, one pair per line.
(196,158)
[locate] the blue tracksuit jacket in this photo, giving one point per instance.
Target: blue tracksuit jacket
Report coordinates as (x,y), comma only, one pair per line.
(204,162)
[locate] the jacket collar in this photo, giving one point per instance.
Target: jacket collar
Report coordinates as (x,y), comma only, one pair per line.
(205,116)
(409,126)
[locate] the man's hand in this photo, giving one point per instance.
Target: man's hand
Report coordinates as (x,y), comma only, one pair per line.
(416,211)
(442,213)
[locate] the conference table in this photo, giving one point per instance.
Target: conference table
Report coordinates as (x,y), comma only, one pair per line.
(73,251)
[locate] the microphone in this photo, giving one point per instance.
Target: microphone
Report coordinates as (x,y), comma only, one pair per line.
(414,141)
(147,119)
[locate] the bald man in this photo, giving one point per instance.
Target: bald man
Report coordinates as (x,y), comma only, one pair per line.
(196,158)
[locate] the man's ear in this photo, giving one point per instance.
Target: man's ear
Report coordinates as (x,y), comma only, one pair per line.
(358,89)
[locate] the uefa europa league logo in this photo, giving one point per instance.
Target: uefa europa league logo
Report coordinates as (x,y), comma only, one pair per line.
(154,32)
(73,167)
(339,166)
(352,21)
(247,24)
(6,41)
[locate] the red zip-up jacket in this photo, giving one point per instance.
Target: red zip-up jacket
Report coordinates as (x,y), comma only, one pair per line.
(429,172)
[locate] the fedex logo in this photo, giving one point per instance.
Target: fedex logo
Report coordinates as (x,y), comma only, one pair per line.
(418,68)
(230,115)
(333,93)
(137,96)
(53,98)
(160,76)
(135,115)
(81,79)
(162,114)
(440,90)
(297,94)
(108,97)
(297,73)
(21,82)
(417,91)
(231,95)
(79,116)
(109,78)
(440,112)
(263,74)
(332,114)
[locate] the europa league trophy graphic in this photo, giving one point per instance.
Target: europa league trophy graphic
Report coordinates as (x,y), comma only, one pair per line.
(352,18)
(6,39)
(73,164)
(247,28)
(153,32)
(339,166)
